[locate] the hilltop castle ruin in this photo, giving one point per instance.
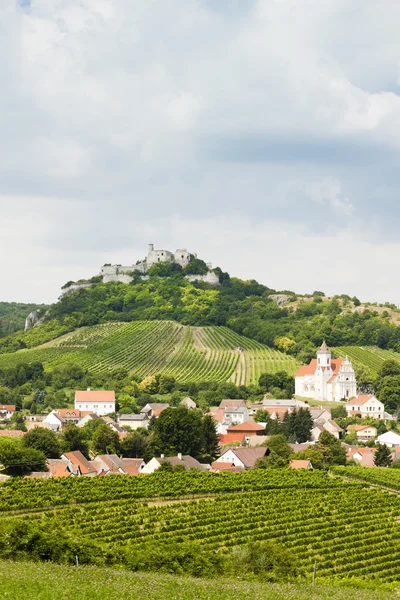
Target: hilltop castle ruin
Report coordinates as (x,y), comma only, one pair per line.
(181,256)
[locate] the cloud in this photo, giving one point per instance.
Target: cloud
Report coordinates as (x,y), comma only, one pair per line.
(123,120)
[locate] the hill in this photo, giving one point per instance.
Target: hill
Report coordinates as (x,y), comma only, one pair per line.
(150,347)
(371,357)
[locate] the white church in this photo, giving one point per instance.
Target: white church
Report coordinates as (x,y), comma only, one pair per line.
(326,378)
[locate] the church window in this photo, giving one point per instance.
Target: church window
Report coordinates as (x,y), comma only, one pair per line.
(328,361)
(318,361)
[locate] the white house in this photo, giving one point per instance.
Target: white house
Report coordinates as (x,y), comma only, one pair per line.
(53,421)
(153,409)
(331,426)
(184,460)
(134,421)
(390,438)
(7,411)
(100,402)
(365,406)
(242,457)
(326,378)
(189,403)
(364,433)
(235,411)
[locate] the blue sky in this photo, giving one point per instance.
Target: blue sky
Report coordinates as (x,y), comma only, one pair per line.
(262,134)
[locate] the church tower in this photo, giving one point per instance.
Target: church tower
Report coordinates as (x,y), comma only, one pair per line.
(323,372)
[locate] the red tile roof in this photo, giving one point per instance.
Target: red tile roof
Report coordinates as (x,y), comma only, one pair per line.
(300,464)
(245,427)
(360,400)
(77,459)
(310,369)
(94,396)
(11,433)
(228,438)
(222,466)
(9,407)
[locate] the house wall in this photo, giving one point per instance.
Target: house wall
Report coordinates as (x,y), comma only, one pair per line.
(99,408)
(230,457)
(151,466)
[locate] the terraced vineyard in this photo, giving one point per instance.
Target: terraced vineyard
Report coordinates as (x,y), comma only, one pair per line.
(150,347)
(369,356)
(311,513)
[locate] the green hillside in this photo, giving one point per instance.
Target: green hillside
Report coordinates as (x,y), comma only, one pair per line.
(371,357)
(13,315)
(150,347)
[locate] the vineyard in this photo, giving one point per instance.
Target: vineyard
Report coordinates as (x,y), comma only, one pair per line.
(387,478)
(371,356)
(350,530)
(150,347)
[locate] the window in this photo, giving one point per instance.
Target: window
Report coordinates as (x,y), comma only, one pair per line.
(318,361)
(328,361)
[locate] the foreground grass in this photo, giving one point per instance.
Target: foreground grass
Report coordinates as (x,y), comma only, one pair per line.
(53,582)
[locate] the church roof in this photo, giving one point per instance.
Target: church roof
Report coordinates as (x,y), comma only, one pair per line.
(310,369)
(324,347)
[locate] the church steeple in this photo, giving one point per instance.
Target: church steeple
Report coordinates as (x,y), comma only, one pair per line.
(324,356)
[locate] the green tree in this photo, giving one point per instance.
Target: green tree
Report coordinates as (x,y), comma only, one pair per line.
(338,453)
(136,445)
(272,461)
(383,456)
(74,438)
(19,460)
(339,412)
(278,444)
(105,440)
(180,430)
(44,440)
(210,437)
(18,421)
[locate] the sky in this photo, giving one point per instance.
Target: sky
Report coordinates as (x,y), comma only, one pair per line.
(263,135)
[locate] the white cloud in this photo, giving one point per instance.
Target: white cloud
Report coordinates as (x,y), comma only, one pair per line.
(273,120)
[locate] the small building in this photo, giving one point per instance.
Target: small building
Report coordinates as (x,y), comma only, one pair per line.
(78,465)
(247,429)
(231,438)
(71,415)
(364,433)
(111,464)
(11,433)
(87,419)
(235,411)
(100,402)
(320,414)
(366,406)
(53,421)
(363,456)
(189,403)
(300,464)
(134,421)
(330,426)
(7,411)
(390,438)
(218,467)
(153,409)
(242,457)
(113,424)
(184,460)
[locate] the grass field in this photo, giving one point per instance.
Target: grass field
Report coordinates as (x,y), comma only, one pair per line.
(57,582)
(150,347)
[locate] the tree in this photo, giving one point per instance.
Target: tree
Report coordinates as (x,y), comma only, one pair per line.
(262,416)
(339,412)
(44,440)
(383,456)
(179,430)
(19,460)
(105,440)
(74,438)
(136,445)
(210,437)
(338,453)
(272,461)
(278,444)
(18,421)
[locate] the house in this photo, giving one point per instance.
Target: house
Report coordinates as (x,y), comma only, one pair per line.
(134,421)
(390,438)
(71,415)
(101,402)
(257,440)
(184,460)
(53,421)
(363,456)
(7,411)
(230,438)
(87,419)
(366,406)
(11,433)
(326,378)
(364,433)
(300,447)
(300,464)
(278,406)
(242,457)
(247,429)
(58,467)
(78,464)
(218,467)
(111,464)
(331,426)
(235,411)
(113,424)
(189,403)
(319,414)
(153,409)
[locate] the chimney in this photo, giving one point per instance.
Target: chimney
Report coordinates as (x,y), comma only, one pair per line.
(162,456)
(180,455)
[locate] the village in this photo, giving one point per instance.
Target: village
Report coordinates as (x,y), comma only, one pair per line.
(243,440)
